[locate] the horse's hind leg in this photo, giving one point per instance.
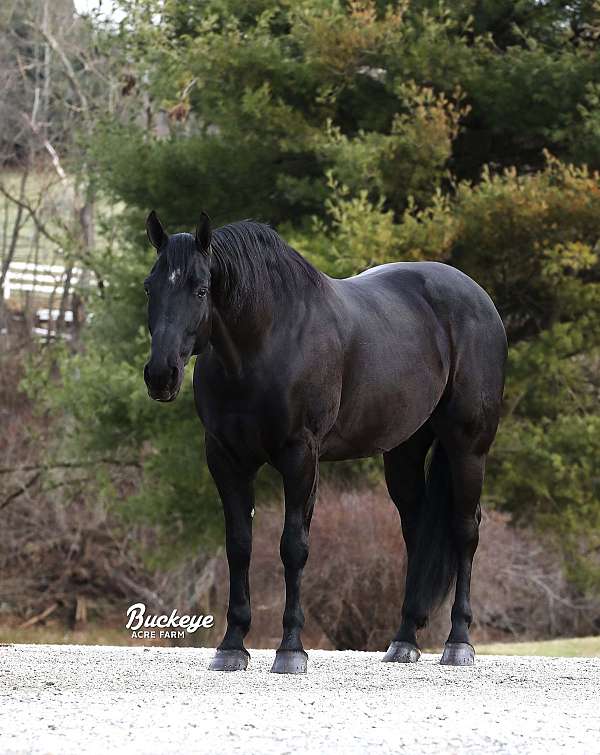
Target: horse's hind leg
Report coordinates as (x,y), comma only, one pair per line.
(467,444)
(405,479)
(467,480)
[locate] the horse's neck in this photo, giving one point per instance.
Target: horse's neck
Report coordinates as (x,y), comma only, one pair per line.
(237,337)
(224,344)
(239,334)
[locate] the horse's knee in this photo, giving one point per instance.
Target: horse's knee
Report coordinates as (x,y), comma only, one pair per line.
(294,548)
(239,550)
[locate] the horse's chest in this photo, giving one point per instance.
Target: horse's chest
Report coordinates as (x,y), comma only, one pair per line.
(254,417)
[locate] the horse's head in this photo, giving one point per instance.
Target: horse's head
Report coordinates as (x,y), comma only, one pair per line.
(179,307)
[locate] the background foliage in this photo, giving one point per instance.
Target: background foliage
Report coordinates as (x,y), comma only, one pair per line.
(467,132)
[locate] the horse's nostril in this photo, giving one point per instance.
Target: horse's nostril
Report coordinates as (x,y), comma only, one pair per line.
(174,375)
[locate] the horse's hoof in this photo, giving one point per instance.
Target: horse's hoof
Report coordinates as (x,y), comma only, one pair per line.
(458,654)
(402,652)
(290,662)
(230,660)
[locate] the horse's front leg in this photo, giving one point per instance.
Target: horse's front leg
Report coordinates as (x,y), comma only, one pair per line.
(299,467)
(236,488)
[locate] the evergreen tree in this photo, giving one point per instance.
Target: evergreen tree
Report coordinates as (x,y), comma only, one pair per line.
(370,132)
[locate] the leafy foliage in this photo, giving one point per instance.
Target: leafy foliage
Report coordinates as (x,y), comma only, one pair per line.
(371,132)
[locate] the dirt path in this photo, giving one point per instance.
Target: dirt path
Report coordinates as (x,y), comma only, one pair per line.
(73,699)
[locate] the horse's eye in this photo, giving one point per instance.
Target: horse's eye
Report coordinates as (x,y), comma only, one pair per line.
(201,292)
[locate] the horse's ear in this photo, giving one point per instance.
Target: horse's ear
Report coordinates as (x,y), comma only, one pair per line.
(155,231)
(203,234)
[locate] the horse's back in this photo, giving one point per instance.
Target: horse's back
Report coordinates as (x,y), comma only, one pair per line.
(450,291)
(411,292)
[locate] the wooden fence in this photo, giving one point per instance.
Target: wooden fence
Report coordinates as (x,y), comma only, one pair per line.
(46,283)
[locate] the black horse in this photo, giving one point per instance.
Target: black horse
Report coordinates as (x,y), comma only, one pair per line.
(405,360)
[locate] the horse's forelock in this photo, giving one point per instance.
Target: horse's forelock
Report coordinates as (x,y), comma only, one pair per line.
(181,258)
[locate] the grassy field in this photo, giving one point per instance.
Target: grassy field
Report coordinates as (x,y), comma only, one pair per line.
(29,246)
(564,648)
(56,205)
(54,199)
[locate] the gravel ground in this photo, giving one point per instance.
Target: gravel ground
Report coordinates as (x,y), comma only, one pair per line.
(73,699)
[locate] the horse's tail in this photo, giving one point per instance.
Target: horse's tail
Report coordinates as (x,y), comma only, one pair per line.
(434,561)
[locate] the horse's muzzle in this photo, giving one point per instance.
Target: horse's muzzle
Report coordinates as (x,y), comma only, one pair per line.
(163,382)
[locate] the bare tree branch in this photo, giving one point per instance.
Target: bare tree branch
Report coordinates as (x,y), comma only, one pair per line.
(68,465)
(33,214)
(47,146)
(69,70)
(23,489)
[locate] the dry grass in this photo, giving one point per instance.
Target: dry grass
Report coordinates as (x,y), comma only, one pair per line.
(55,634)
(61,547)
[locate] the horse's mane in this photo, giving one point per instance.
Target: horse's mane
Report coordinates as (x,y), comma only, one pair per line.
(251,263)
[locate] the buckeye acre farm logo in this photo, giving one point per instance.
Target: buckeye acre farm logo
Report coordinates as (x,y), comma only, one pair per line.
(173,626)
